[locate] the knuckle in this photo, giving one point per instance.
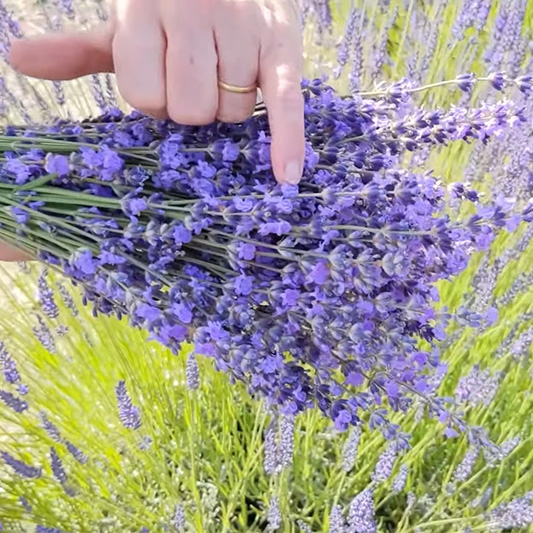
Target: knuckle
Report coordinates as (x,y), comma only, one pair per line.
(192,115)
(149,103)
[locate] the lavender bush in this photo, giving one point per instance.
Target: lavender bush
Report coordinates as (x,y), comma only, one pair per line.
(175,231)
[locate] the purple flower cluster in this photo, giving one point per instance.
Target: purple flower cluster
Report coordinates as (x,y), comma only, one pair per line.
(313,295)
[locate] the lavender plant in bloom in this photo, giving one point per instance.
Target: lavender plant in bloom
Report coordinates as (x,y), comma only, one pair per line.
(185,232)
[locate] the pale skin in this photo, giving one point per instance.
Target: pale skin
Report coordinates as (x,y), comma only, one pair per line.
(168,56)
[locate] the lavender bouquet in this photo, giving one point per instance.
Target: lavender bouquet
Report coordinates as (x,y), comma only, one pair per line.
(322,294)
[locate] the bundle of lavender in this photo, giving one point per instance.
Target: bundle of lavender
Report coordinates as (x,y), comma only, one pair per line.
(321,294)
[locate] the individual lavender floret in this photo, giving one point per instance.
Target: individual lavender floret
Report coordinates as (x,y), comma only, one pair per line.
(385,464)
(46,297)
(336,520)
(50,428)
(274,518)
(464,469)
(21,468)
(69,302)
(516,514)
(351,447)
(57,466)
(8,366)
(13,402)
(361,513)
(398,483)
(192,372)
(286,440)
(179,522)
(127,412)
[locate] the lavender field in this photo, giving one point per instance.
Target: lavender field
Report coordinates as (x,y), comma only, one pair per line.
(350,355)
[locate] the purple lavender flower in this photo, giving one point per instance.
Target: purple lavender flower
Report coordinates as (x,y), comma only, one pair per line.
(68,300)
(385,463)
(350,449)
(479,387)
(46,297)
(286,440)
(516,514)
(76,453)
(336,520)
(44,335)
(13,402)
(50,428)
(127,412)
(190,238)
(44,529)
(57,466)
(361,513)
(303,527)
(192,372)
(465,467)
(8,366)
(25,503)
(270,450)
(274,518)
(21,468)
(179,522)
(398,483)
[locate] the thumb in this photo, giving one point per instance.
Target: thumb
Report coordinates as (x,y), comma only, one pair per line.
(64,56)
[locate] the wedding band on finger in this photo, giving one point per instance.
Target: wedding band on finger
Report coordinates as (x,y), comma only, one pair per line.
(235,89)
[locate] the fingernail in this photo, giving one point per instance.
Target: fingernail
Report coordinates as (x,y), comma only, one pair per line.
(293,173)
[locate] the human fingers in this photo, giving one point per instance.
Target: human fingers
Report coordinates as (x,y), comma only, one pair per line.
(64,56)
(191,62)
(10,253)
(280,75)
(237,44)
(139,57)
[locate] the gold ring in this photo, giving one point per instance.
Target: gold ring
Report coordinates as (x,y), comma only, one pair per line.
(235,89)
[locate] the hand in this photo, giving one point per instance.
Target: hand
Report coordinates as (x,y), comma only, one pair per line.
(168,56)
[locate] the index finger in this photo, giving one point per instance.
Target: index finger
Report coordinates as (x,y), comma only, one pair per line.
(280,78)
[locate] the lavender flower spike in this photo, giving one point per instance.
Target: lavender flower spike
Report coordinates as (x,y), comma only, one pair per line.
(274,515)
(385,464)
(192,372)
(350,449)
(336,520)
(8,366)
(46,297)
(127,412)
(50,428)
(21,468)
(18,405)
(361,513)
